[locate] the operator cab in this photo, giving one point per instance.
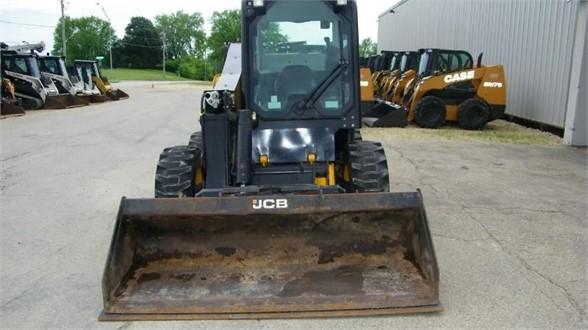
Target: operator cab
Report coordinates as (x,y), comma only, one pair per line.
(52,64)
(439,61)
(300,59)
(20,63)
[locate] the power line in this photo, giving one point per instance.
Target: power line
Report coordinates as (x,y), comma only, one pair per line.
(27,24)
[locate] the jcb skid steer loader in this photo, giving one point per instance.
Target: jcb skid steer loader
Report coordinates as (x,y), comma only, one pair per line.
(90,69)
(9,105)
(278,209)
(33,89)
(449,88)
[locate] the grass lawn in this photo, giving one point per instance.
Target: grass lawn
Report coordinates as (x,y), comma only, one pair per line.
(133,74)
(498,131)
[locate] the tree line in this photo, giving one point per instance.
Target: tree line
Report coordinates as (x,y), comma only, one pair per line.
(189,51)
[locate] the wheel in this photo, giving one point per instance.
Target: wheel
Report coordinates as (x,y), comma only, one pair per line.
(196,140)
(178,172)
(473,114)
(430,112)
(368,169)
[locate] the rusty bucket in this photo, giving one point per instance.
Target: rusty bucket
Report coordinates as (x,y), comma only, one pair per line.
(301,256)
(10,109)
(64,101)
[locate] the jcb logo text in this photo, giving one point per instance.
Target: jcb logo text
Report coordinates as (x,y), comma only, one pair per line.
(259,204)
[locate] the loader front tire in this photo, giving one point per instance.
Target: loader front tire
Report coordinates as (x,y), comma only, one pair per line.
(430,112)
(473,114)
(369,169)
(196,140)
(175,176)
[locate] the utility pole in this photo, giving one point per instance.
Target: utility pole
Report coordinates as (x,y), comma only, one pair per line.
(164,50)
(62,29)
(110,44)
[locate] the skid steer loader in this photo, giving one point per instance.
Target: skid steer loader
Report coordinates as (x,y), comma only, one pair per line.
(278,209)
(9,104)
(449,88)
(53,67)
(381,112)
(92,72)
(389,62)
(32,89)
(409,61)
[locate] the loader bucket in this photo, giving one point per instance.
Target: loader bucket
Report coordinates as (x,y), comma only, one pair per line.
(11,109)
(117,94)
(385,114)
(64,101)
(315,256)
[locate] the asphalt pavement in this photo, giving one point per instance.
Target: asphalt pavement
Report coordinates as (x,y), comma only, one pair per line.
(509,222)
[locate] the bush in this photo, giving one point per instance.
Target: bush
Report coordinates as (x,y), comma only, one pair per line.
(195,68)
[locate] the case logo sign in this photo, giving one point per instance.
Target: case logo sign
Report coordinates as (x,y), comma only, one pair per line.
(268,204)
(491,84)
(462,76)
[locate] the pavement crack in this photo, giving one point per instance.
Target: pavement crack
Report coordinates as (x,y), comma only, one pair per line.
(581,312)
(457,238)
(22,154)
(21,294)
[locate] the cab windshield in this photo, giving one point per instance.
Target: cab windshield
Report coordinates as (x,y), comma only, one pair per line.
(424,64)
(52,65)
(394,63)
(297,47)
(26,65)
(403,63)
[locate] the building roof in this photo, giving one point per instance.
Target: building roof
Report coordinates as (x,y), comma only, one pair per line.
(396,5)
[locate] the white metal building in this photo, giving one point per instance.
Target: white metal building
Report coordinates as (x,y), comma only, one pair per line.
(542,44)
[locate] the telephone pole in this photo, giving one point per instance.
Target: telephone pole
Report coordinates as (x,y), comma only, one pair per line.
(62,29)
(164,49)
(110,43)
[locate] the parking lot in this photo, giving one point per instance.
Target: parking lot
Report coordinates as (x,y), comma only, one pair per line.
(509,220)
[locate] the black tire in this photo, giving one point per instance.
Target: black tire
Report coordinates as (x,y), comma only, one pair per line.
(196,140)
(473,114)
(175,176)
(369,169)
(430,112)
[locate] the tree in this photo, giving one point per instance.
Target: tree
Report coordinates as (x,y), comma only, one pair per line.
(272,36)
(184,34)
(367,48)
(141,46)
(86,38)
(226,28)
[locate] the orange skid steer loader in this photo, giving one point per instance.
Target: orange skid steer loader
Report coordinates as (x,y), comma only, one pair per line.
(448,88)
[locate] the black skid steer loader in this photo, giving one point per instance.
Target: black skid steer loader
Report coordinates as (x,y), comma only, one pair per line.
(278,208)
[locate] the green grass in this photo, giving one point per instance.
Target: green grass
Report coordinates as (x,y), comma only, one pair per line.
(135,74)
(498,131)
